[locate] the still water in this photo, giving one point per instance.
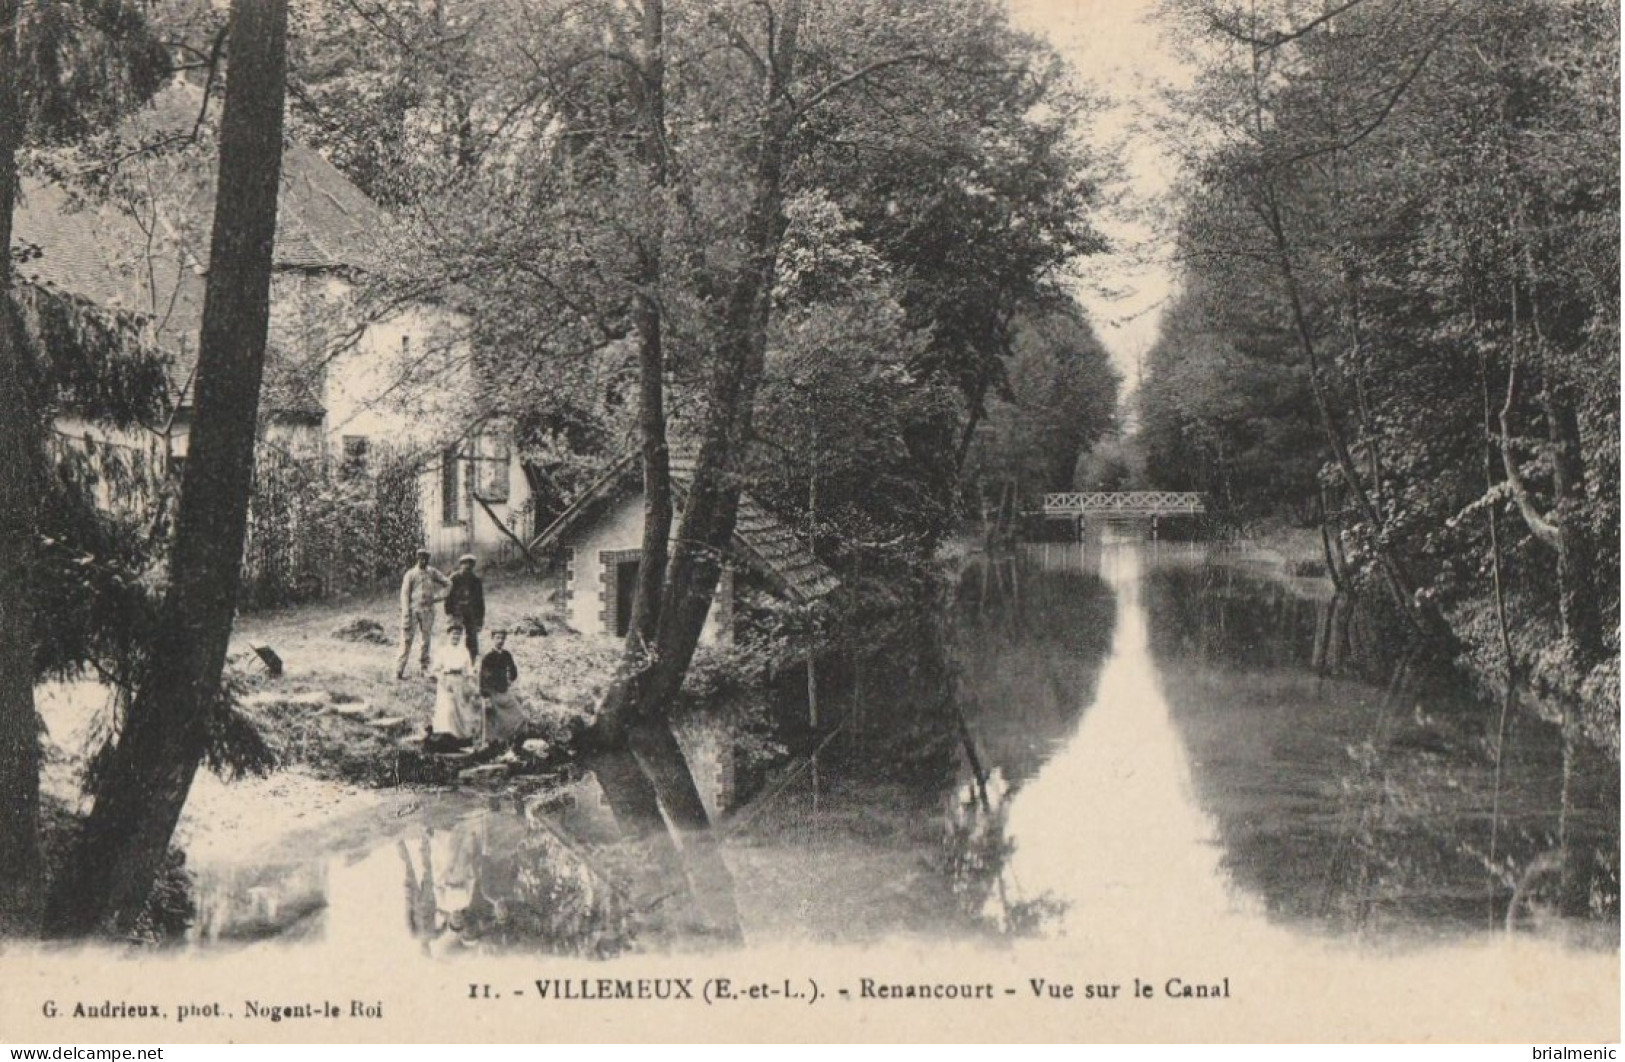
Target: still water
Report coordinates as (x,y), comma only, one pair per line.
(1149,738)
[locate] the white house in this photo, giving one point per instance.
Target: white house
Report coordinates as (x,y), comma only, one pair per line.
(335,383)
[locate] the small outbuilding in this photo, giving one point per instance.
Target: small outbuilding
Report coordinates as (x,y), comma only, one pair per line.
(600,537)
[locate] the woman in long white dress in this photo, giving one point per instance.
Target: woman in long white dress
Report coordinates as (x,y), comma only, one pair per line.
(457,694)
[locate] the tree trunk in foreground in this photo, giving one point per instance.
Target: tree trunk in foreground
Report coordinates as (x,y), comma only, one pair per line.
(139,800)
(21,872)
(637,704)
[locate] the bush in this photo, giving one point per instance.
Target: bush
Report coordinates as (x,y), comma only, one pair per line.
(317,529)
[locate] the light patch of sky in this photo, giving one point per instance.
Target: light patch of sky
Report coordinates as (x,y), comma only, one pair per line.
(1117,49)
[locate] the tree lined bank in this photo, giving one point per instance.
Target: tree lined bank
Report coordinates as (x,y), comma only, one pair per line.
(1400,318)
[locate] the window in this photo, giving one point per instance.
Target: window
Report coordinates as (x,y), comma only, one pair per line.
(450,511)
(493,461)
(355,455)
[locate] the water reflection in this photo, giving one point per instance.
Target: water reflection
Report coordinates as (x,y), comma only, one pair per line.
(245,904)
(1352,789)
(1034,629)
(497,880)
(1110,825)
(1259,750)
(457,874)
(1142,740)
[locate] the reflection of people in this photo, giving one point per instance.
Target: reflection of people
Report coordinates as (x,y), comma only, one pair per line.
(490,880)
(420,899)
(456,699)
(498,672)
(449,904)
(417,610)
(465,602)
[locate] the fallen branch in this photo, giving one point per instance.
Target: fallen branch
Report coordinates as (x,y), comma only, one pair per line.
(530,559)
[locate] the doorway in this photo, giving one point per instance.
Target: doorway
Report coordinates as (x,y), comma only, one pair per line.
(626,588)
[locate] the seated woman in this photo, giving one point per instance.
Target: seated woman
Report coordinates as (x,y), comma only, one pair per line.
(505,718)
(457,710)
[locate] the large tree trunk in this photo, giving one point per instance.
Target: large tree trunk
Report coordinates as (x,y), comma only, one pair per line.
(139,801)
(648,789)
(648,86)
(21,878)
(1582,630)
(712,509)
(637,703)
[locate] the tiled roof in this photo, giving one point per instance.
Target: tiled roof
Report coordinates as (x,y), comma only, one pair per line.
(760,538)
(98,252)
(323,220)
(616,481)
(764,539)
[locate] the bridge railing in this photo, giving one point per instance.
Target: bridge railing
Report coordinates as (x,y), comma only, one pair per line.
(1137,502)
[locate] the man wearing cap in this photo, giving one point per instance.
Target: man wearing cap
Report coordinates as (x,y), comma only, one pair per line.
(465,602)
(418,596)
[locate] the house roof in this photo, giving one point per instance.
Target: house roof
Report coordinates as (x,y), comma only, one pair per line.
(764,539)
(323,220)
(99,252)
(759,538)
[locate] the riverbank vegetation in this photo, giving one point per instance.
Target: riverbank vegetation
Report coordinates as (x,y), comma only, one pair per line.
(1399,321)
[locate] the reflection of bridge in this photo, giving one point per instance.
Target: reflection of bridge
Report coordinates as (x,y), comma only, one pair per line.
(1124,503)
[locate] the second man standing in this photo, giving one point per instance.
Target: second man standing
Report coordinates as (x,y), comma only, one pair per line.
(465,602)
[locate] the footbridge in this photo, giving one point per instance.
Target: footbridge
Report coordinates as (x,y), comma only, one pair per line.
(1124,503)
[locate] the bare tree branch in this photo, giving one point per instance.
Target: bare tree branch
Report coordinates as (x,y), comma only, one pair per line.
(1388,104)
(1276,38)
(861,74)
(1544,530)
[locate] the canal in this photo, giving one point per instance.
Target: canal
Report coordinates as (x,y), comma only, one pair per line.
(1152,749)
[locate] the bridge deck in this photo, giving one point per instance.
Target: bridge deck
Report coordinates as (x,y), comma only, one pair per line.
(1128,502)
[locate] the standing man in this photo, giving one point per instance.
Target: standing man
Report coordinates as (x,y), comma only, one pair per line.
(465,602)
(418,596)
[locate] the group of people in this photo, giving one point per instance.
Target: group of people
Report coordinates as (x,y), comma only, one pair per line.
(474,698)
